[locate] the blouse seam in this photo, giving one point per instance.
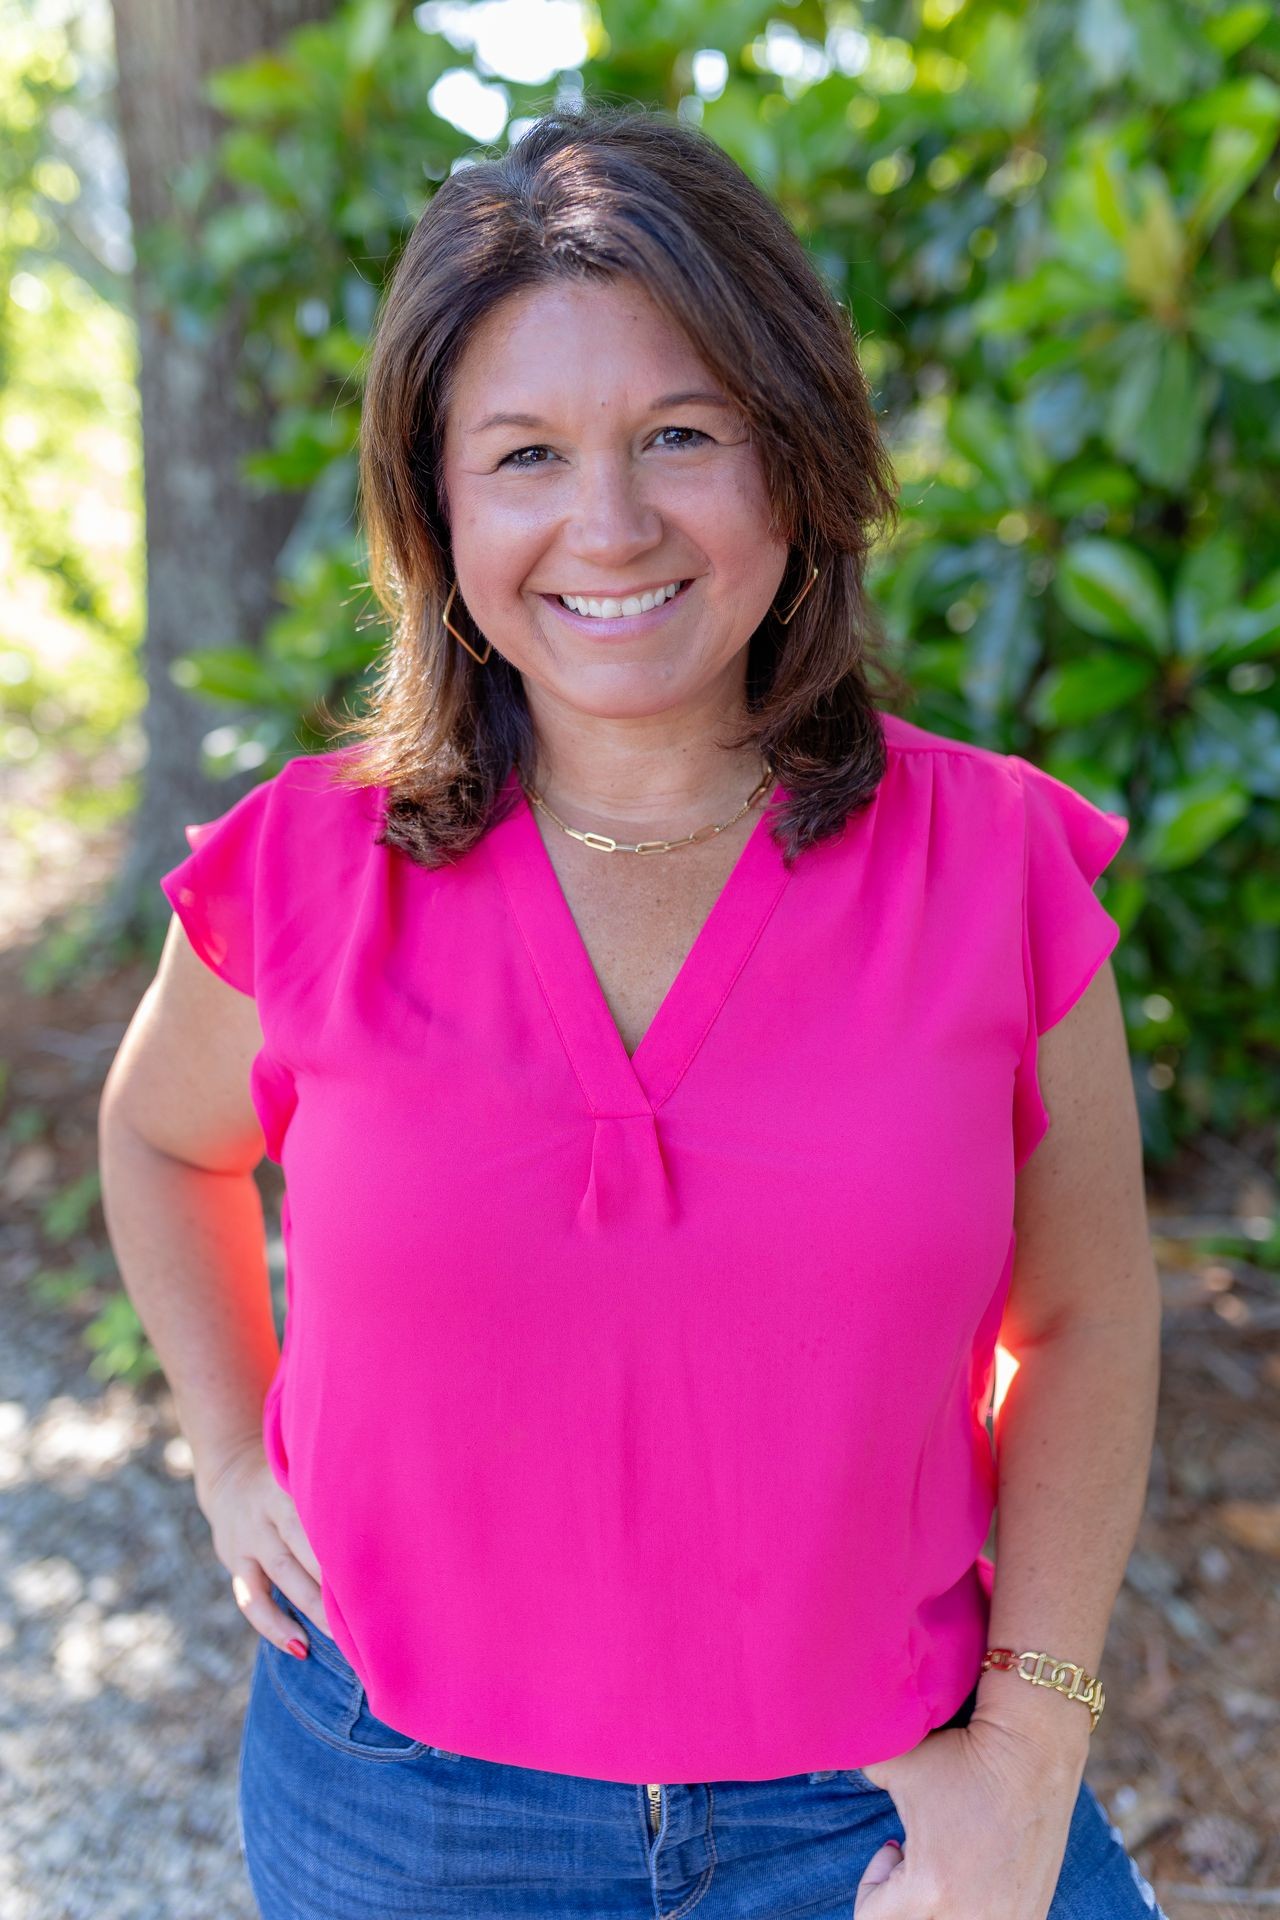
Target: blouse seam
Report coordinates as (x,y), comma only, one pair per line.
(1029,1032)
(696,1046)
(542,988)
(967,749)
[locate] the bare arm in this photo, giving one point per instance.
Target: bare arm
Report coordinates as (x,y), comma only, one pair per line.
(1075,1432)
(987,1808)
(178,1141)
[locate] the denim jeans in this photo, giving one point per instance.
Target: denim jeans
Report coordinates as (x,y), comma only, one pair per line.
(341,1817)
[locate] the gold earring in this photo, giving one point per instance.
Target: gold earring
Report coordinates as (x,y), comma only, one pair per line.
(784,618)
(481,657)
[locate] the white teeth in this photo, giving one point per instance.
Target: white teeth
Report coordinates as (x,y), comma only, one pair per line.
(613,609)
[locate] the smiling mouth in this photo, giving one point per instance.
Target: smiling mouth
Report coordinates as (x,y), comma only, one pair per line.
(611,607)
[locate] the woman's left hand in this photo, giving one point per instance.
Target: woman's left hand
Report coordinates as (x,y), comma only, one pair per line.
(986,1810)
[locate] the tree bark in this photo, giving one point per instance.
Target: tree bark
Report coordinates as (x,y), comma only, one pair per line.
(211,546)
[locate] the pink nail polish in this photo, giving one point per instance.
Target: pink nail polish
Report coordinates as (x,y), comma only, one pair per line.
(297,1649)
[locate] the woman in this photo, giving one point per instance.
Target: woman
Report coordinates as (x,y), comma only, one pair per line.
(655,1034)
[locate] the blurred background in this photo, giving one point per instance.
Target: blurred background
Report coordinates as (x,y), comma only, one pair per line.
(1055,229)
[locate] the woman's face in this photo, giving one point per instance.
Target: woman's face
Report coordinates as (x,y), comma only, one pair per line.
(611,486)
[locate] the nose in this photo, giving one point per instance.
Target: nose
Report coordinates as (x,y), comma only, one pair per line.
(612,520)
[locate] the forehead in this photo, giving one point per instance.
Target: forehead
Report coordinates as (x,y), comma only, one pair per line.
(562,344)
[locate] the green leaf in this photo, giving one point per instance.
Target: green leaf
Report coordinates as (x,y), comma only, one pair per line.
(1235,156)
(1061,411)
(937,666)
(734,123)
(1247,632)
(252,160)
(936,500)
(237,234)
(1208,584)
(1091,486)
(1004,643)
(1159,407)
(264,88)
(1053,291)
(1166,52)
(1251,101)
(1235,28)
(225,673)
(1104,35)
(368,25)
(1108,588)
(1186,820)
(339,351)
(1001,70)
(1107,179)
(68,1212)
(979,430)
(1250,733)
(1084,690)
(1155,252)
(1238,327)
(307,442)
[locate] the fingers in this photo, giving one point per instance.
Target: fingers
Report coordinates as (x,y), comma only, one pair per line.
(304,1592)
(252,1590)
(291,1575)
(881,1864)
(259,1539)
(301,1578)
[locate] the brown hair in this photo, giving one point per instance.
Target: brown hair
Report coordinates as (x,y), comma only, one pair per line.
(595,193)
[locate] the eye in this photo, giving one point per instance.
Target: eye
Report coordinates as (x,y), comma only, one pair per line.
(517,459)
(695,431)
(521,459)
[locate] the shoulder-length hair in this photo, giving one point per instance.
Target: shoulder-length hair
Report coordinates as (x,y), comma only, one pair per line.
(590,194)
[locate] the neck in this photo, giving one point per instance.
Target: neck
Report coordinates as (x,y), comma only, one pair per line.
(660,777)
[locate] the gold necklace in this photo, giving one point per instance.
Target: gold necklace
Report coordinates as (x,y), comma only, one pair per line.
(603,842)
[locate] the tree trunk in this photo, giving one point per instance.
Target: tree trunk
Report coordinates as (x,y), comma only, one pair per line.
(211,547)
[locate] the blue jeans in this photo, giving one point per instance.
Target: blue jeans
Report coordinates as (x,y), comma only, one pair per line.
(341,1817)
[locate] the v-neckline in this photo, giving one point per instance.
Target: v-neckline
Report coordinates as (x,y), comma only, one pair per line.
(614,1081)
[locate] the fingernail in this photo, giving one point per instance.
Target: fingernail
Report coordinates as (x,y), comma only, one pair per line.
(297,1648)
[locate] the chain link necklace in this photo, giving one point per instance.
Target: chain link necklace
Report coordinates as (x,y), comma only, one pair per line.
(603,842)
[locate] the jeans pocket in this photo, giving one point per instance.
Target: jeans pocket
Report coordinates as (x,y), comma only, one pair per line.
(325,1693)
(848,1776)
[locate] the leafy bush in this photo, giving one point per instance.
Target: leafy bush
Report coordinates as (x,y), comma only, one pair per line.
(1054,228)
(70,439)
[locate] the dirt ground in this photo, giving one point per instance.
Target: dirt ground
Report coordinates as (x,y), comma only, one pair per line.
(103,1533)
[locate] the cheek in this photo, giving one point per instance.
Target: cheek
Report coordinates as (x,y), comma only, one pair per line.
(497,547)
(748,559)
(740,511)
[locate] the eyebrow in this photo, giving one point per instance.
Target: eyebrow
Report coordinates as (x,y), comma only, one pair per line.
(689,398)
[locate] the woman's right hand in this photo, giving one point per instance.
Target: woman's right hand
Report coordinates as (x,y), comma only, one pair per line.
(258,1538)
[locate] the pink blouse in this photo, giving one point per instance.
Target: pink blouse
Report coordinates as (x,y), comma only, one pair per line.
(635,1407)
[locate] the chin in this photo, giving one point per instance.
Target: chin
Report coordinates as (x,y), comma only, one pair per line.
(618,703)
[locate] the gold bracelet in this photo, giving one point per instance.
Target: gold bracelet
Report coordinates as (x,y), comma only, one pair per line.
(1063,1675)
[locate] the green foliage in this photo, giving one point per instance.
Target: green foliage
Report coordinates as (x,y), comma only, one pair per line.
(70,441)
(113,1333)
(121,1350)
(1262,1253)
(68,1212)
(1054,227)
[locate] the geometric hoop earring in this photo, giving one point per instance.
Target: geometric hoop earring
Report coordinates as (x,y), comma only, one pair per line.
(481,657)
(784,618)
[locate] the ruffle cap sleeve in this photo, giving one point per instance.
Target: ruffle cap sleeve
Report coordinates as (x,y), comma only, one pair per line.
(214,890)
(231,893)
(1066,931)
